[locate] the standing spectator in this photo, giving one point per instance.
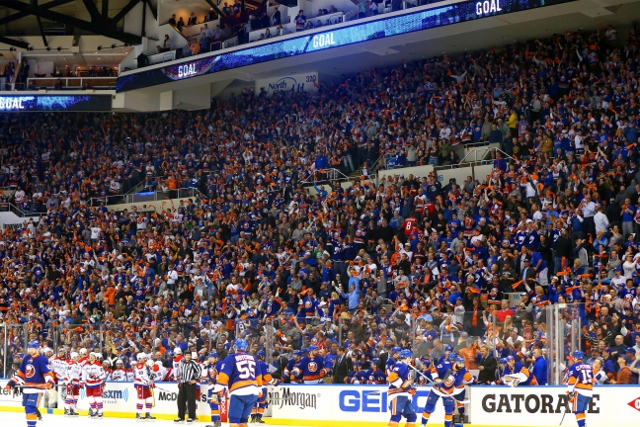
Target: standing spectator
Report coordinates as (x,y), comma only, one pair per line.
(189,372)
(276,18)
(300,21)
(344,366)
(488,365)
(193,20)
(624,373)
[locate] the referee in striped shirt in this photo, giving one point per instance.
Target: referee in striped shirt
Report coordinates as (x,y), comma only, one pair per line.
(189,373)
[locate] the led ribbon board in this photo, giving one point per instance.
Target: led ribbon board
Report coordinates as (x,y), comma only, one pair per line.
(17,104)
(386,27)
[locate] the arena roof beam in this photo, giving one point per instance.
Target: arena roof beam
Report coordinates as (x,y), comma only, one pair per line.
(93,10)
(21,15)
(124,11)
(101,26)
(13,42)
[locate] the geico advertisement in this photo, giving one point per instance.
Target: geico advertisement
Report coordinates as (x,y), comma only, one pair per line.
(337,402)
(536,406)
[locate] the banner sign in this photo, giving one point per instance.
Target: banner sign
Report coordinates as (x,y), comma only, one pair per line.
(339,402)
(343,36)
(30,103)
(307,82)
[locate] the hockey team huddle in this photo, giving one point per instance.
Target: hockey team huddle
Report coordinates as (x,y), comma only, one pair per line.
(244,378)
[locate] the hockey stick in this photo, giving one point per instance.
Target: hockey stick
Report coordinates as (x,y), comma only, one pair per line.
(565,412)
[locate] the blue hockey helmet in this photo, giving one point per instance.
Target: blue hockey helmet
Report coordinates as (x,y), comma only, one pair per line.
(578,355)
(260,354)
(297,352)
(502,361)
(405,353)
(241,344)
(304,350)
(448,348)
(459,360)
(313,348)
(452,357)
(396,349)
(34,344)
(213,354)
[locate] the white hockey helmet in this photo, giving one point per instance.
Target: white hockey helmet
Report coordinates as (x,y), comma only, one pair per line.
(98,355)
(83,352)
(74,355)
(177,351)
(141,356)
(48,350)
(149,363)
(119,362)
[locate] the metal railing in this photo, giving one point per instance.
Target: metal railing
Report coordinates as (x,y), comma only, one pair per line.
(74,83)
(148,196)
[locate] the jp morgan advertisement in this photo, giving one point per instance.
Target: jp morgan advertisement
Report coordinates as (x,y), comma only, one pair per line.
(343,36)
(307,82)
(43,103)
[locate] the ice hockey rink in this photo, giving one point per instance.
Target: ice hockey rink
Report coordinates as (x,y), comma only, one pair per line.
(17,419)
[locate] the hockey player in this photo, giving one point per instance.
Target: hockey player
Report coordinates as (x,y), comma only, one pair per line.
(376,376)
(209,374)
(445,386)
(580,386)
(401,391)
(143,385)
(516,374)
(460,392)
(176,360)
(84,358)
(72,382)
(292,365)
(241,374)
(159,373)
(391,361)
(93,377)
(266,379)
(312,367)
(35,377)
(120,374)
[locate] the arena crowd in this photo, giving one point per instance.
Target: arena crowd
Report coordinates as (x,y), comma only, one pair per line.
(403,261)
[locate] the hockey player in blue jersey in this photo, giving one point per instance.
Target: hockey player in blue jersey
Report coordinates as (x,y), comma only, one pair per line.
(312,367)
(446,386)
(401,392)
(516,374)
(580,387)
(241,374)
(292,370)
(34,377)
(460,393)
(393,358)
(209,374)
(266,379)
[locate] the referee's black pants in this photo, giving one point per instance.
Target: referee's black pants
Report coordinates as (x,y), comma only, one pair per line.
(187,397)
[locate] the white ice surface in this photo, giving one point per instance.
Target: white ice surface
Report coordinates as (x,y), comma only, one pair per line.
(17,419)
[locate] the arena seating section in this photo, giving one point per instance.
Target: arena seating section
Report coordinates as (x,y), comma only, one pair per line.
(406,261)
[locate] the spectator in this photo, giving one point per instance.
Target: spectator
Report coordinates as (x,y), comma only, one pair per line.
(165,46)
(193,20)
(624,373)
(276,18)
(300,21)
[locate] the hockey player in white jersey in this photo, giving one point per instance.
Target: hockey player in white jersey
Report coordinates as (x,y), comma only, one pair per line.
(120,374)
(143,385)
(93,376)
(72,379)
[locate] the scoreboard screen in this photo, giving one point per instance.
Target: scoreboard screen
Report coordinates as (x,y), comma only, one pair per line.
(43,103)
(328,39)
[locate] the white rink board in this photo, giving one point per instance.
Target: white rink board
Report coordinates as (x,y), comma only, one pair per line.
(330,402)
(544,406)
(121,397)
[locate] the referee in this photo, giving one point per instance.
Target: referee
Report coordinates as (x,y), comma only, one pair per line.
(189,373)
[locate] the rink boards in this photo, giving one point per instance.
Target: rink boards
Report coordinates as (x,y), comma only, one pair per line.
(360,405)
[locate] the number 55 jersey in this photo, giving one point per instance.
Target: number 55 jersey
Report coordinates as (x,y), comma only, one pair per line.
(241,373)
